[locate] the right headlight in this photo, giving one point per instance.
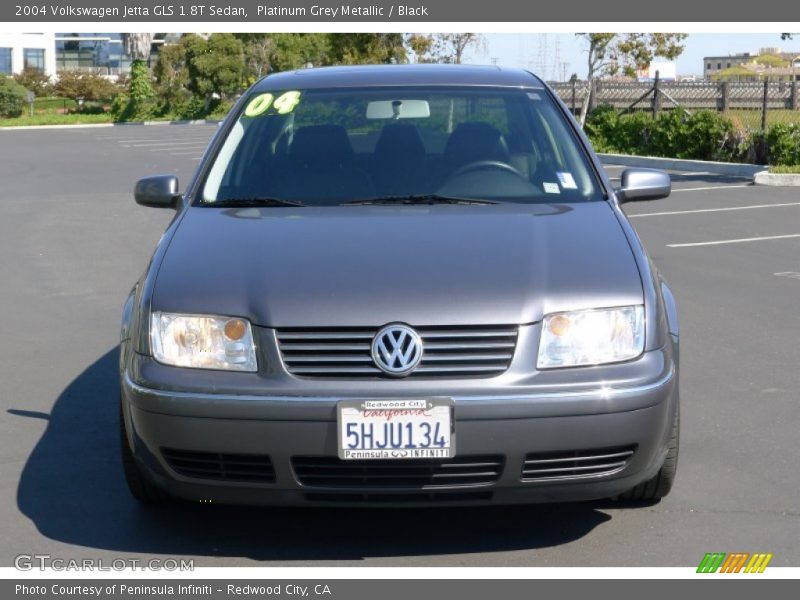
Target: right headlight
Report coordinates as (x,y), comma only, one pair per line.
(591,337)
(202,342)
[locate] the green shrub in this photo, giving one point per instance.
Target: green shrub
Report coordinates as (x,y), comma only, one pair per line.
(704,135)
(35,81)
(635,131)
(85,85)
(600,127)
(13,97)
(783,144)
(138,103)
(709,136)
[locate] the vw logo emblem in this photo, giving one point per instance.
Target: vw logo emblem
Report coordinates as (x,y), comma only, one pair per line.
(397,350)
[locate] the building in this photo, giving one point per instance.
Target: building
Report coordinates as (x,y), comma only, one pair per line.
(19,51)
(745,66)
(51,53)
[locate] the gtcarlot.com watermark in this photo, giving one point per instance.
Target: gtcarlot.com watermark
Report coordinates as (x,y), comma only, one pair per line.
(43,562)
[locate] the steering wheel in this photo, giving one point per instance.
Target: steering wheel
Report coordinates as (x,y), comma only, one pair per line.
(485,164)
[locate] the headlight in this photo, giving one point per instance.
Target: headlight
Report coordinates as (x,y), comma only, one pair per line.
(591,337)
(202,342)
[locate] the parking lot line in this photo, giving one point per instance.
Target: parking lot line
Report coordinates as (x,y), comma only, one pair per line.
(173,143)
(160,139)
(738,241)
(709,210)
(711,187)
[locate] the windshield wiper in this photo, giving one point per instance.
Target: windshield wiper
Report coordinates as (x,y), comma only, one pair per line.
(254,201)
(418,199)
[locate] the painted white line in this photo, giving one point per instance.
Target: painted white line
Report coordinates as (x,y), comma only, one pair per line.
(739,241)
(788,274)
(710,210)
(193,152)
(710,187)
(195,148)
(195,143)
(146,140)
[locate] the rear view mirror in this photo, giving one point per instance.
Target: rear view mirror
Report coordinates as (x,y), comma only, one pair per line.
(398,109)
(159,191)
(643,184)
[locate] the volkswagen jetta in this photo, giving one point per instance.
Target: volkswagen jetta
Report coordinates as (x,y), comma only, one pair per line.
(399,285)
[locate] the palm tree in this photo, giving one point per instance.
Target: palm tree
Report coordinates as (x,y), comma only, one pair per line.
(140,92)
(137,45)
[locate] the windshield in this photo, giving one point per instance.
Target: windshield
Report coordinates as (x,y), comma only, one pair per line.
(385,145)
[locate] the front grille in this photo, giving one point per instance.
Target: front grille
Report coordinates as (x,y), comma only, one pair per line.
(225,467)
(482,351)
(331,472)
(575,464)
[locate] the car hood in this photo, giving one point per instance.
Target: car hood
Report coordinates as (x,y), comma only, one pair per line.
(422,265)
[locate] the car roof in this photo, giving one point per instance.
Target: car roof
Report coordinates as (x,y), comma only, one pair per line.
(399,75)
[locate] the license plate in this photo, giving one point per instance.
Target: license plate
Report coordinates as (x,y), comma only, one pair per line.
(395,429)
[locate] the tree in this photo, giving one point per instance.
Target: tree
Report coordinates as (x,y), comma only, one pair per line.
(444,47)
(366,48)
(215,66)
(259,54)
(420,46)
(610,53)
(137,45)
(138,102)
(265,52)
(450,47)
(172,78)
(295,50)
(84,86)
(35,81)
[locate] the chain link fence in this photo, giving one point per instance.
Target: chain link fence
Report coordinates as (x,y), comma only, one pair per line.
(750,105)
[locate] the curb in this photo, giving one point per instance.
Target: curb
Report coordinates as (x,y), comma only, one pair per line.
(777,179)
(125,124)
(679,164)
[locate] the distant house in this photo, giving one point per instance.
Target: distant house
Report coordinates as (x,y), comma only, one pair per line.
(767,63)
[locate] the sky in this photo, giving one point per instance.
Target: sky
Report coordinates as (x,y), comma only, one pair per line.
(532,50)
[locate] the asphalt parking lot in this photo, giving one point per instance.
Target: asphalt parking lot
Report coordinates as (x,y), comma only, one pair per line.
(73,242)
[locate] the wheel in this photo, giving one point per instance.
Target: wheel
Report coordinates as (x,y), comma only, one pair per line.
(659,486)
(139,485)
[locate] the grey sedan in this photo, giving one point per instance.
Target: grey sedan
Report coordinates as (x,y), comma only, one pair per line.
(399,285)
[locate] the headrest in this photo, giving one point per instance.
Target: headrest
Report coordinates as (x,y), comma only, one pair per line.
(399,138)
(328,143)
(474,141)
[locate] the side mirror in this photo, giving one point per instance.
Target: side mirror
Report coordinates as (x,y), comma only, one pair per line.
(643,184)
(159,191)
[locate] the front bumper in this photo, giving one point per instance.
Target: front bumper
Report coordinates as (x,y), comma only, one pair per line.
(509,426)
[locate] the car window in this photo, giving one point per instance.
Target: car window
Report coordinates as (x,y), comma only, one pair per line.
(330,147)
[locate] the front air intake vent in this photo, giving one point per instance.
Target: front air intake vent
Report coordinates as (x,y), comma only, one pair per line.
(575,464)
(255,468)
(332,472)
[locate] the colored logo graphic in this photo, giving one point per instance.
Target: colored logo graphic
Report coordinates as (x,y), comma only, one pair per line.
(737,562)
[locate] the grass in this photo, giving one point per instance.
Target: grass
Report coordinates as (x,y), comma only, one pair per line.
(50,118)
(53,104)
(751,119)
(785,169)
(60,111)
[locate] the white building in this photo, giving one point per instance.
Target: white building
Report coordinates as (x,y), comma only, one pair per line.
(19,51)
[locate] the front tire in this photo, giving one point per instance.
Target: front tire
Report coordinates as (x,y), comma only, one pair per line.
(139,485)
(657,487)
